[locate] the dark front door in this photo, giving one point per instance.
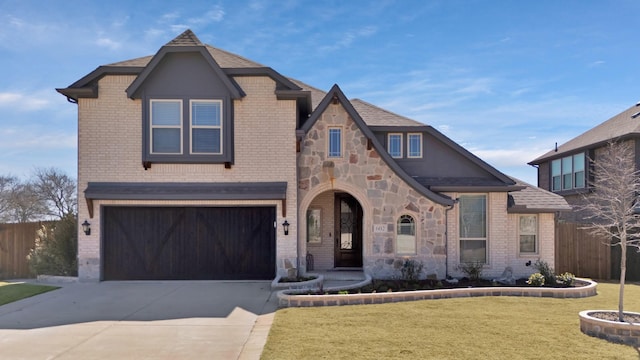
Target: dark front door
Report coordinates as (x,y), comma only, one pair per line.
(348,230)
(188,243)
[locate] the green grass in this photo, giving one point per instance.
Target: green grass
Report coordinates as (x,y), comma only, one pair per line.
(10,292)
(465,328)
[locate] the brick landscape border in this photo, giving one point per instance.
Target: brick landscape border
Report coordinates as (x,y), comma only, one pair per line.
(612,331)
(293,298)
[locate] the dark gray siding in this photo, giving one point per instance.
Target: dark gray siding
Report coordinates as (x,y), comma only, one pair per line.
(187,75)
(438,159)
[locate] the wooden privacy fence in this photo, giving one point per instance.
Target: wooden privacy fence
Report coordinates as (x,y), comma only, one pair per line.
(16,240)
(581,253)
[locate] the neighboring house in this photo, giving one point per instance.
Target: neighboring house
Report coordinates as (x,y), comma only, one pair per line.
(565,170)
(196,163)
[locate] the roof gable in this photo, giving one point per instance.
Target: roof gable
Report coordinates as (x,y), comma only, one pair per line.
(185,42)
(622,125)
(335,95)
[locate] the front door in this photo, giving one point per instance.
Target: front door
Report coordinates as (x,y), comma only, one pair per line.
(348,230)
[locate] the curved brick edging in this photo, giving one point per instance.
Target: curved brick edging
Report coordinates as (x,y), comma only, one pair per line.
(612,331)
(289,298)
(312,284)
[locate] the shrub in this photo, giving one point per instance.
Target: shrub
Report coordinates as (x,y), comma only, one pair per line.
(545,269)
(56,249)
(565,279)
(411,269)
(536,279)
(472,269)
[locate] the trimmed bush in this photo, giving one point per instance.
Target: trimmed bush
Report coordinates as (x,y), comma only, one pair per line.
(56,249)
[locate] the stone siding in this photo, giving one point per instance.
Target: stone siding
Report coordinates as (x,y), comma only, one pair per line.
(383,195)
(110,150)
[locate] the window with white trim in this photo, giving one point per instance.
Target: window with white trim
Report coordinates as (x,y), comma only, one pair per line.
(528,233)
(568,173)
(414,141)
(206,126)
(473,228)
(394,145)
(166,127)
(335,142)
(406,236)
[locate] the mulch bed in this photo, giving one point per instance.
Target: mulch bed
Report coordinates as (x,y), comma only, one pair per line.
(613,316)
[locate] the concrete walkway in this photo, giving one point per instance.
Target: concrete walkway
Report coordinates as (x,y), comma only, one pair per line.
(140,320)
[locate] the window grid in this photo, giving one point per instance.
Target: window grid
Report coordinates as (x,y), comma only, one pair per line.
(205,124)
(528,233)
(394,145)
(335,142)
(406,235)
(568,173)
(473,228)
(161,124)
(415,145)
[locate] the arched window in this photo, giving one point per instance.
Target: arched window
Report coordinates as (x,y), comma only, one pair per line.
(406,236)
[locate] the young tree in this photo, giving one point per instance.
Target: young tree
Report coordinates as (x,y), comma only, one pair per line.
(610,208)
(57,190)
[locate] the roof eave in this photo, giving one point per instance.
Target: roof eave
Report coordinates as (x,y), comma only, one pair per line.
(470,188)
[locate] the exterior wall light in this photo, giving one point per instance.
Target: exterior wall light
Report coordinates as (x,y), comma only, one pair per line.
(285,226)
(86,227)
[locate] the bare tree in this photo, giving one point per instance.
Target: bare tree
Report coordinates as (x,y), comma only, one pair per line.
(25,204)
(7,185)
(611,206)
(57,190)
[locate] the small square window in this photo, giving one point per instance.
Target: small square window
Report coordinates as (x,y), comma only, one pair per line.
(335,142)
(415,145)
(394,145)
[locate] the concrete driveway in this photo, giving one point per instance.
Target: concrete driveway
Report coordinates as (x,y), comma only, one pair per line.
(140,320)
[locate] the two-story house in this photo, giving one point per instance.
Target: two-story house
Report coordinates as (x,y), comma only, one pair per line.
(196,163)
(565,169)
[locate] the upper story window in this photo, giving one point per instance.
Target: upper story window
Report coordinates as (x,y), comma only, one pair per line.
(394,145)
(473,228)
(206,127)
(568,173)
(406,236)
(166,127)
(335,142)
(414,145)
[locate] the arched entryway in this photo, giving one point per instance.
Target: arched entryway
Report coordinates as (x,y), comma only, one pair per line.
(333,230)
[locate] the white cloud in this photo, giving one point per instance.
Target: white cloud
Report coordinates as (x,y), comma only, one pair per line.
(23,102)
(108,43)
(596,63)
(346,39)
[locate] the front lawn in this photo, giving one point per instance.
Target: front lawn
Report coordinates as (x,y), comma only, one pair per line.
(463,328)
(10,292)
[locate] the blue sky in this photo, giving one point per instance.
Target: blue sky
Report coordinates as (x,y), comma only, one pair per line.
(504,79)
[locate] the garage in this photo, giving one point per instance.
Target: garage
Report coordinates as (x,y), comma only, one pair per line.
(188,243)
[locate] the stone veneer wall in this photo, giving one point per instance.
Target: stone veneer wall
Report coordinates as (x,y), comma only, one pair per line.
(110,135)
(383,195)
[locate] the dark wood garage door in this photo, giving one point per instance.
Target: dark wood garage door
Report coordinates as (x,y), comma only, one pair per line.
(151,243)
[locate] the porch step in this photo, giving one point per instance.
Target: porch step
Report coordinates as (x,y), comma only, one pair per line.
(342,274)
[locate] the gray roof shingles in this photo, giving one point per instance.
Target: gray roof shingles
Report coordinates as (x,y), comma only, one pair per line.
(618,126)
(530,198)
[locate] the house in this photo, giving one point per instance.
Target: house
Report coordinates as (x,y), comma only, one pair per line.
(565,170)
(196,163)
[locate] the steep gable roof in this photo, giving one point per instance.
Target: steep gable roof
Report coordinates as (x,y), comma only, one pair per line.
(335,94)
(185,42)
(625,124)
